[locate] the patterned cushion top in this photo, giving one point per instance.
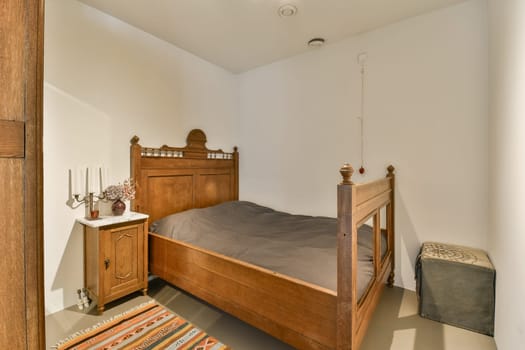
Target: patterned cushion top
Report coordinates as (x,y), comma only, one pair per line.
(455,253)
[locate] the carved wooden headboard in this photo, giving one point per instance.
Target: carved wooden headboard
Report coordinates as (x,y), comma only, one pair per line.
(172,179)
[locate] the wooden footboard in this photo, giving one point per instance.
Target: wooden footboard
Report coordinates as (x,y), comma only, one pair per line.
(306,316)
(357,203)
(299,313)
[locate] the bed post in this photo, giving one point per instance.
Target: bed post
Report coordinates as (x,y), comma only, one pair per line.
(236,175)
(135,170)
(391,225)
(346,322)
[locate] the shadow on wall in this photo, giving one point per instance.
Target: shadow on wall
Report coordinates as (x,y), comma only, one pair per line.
(408,243)
(67,277)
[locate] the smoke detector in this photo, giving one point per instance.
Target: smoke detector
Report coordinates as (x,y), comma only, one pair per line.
(316,42)
(287,10)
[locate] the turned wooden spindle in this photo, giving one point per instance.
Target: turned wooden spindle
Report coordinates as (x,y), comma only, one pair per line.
(346,172)
(390,170)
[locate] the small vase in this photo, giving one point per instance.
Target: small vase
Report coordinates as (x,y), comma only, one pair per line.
(118,207)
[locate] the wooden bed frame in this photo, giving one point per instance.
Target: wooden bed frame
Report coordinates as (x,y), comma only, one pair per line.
(306,316)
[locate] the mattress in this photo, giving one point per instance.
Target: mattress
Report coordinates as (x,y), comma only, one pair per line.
(299,246)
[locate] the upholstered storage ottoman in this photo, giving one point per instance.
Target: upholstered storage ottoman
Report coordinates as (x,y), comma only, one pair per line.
(455,285)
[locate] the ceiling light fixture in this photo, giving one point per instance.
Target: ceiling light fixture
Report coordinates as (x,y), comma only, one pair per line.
(287,10)
(316,42)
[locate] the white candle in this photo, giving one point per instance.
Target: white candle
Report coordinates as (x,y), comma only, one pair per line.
(70,183)
(93,179)
(74,181)
(106,177)
(81,185)
(87,181)
(100,179)
(78,181)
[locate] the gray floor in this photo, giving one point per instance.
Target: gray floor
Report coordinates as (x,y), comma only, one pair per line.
(395,325)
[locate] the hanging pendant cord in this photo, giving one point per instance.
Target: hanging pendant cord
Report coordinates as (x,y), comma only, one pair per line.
(362,118)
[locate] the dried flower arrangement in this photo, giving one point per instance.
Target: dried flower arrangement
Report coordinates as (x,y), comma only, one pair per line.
(124,191)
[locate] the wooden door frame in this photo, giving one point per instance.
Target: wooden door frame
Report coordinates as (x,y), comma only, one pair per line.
(34,241)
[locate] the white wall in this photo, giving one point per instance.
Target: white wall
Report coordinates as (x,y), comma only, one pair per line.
(426,113)
(507,175)
(106,81)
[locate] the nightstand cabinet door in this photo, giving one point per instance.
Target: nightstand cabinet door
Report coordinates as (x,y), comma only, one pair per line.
(123,260)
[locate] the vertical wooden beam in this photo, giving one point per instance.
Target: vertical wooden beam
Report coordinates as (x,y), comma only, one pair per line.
(390,224)
(377,243)
(21,174)
(34,221)
(134,163)
(236,174)
(34,184)
(13,29)
(346,262)
(12,303)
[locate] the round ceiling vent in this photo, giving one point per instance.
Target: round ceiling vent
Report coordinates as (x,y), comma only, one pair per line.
(287,10)
(316,42)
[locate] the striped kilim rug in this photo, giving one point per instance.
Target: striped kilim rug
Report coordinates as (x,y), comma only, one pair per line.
(148,326)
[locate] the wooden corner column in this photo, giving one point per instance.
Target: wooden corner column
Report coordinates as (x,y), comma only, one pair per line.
(346,321)
(391,225)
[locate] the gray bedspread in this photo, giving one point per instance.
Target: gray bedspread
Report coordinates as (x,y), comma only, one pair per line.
(303,247)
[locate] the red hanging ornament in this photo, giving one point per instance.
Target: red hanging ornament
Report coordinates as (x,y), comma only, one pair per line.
(361,59)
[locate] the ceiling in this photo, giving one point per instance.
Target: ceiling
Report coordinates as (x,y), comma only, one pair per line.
(243,34)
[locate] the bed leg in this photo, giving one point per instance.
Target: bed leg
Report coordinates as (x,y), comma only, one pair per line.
(390,281)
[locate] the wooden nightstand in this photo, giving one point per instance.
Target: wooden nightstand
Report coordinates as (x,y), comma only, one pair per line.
(115,256)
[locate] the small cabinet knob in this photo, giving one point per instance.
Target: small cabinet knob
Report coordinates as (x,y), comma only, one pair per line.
(106,262)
